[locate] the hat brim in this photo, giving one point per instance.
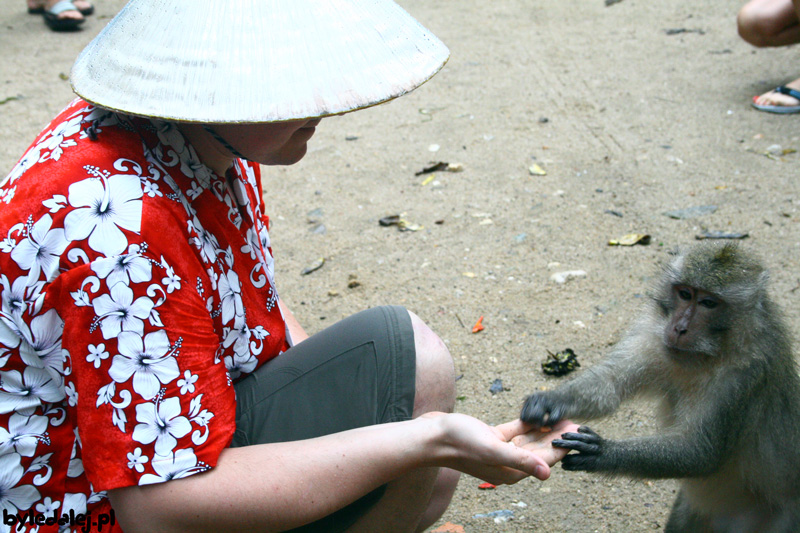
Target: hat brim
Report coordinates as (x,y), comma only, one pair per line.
(254,61)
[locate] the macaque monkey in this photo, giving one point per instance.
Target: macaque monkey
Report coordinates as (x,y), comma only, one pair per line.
(713,349)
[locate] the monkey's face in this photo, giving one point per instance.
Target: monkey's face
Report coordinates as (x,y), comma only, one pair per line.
(696,321)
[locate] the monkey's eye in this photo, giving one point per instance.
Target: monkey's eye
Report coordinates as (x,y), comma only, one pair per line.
(684,294)
(708,303)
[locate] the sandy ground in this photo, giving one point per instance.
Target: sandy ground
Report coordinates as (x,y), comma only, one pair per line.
(621,114)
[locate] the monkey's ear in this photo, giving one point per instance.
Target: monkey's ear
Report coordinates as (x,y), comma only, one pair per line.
(748,293)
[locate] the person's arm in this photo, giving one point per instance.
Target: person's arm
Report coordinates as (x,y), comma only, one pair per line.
(296,331)
(272,487)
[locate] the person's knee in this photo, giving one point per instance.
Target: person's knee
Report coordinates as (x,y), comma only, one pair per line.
(757,27)
(435,381)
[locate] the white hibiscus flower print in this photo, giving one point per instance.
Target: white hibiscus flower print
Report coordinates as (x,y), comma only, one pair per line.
(151,189)
(10,330)
(186,383)
(23,434)
(35,386)
(13,295)
(192,167)
(238,365)
(15,498)
(171,281)
(182,463)
(56,203)
(205,242)
(75,502)
(160,422)
(253,246)
(243,360)
(230,291)
(136,460)
(118,312)
(149,362)
(41,346)
(58,137)
(104,205)
(97,354)
(48,507)
(12,305)
(75,468)
(124,268)
(40,251)
(170,135)
(72,394)
(30,158)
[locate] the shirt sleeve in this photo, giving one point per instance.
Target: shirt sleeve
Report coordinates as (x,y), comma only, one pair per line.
(152,402)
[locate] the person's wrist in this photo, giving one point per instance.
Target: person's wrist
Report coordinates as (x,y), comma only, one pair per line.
(431,440)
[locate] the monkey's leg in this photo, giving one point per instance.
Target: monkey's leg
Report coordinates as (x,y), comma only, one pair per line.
(684,519)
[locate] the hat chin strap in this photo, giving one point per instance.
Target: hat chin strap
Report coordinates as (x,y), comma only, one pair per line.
(223,142)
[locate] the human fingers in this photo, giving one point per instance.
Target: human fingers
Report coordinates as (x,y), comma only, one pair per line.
(514,464)
(542,436)
(540,442)
(488,453)
(512,429)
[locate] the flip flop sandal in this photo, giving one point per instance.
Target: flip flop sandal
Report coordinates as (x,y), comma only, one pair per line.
(40,10)
(61,24)
(781,109)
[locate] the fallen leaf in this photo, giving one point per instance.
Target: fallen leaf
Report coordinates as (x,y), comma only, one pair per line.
(315,266)
(435,167)
(536,170)
(10,99)
(630,239)
(478,326)
(389,220)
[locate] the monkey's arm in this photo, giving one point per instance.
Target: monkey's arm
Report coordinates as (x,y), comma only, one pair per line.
(696,447)
(659,456)
(597,391)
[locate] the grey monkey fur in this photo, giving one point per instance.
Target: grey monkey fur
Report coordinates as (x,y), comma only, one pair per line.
(729,405)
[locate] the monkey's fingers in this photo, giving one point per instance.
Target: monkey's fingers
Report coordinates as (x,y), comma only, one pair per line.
(539,411)
(579,443)
(586,430)
(584,435)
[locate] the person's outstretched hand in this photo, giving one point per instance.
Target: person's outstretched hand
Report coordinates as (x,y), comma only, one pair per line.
(503,454)
(540,440)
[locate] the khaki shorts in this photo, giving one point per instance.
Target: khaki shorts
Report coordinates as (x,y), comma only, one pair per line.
(358,372)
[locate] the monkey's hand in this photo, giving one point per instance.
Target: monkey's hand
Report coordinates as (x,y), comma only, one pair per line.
(590,447)
(541,409)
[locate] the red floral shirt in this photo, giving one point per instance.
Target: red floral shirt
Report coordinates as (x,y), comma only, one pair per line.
(136,284)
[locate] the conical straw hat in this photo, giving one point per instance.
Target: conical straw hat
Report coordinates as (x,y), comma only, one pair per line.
(224,61)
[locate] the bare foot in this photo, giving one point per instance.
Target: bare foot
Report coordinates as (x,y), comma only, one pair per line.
(777,99)
(72,14)
(84,6)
